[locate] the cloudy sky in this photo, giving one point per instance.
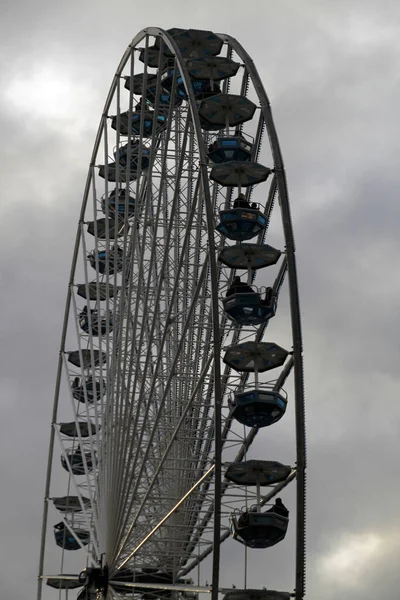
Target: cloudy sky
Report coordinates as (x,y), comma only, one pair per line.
(331,69)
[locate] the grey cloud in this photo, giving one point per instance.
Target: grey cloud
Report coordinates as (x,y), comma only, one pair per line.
(335,96)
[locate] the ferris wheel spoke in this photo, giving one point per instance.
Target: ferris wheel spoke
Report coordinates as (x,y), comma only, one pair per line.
(170,377)
(152,254)
(176,432)
(167,516)
(146,301)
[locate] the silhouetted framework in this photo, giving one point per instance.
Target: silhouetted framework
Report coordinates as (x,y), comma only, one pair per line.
(166,370)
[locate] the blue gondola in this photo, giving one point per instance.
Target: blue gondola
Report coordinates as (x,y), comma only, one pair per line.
(120,203)
(94,389)
(114,263)
(258,407)
(75,460)
(249,308)
(98,323)
(202,88)
(122,155)
(66,540)
(241,224)
(148,123)
(113,174)
(164,98)
(136,83)
(122,125)
(228,148)
(151,57)
(259,530)
(107,228)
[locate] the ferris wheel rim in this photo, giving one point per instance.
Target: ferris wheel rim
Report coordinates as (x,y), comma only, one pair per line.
(295,313)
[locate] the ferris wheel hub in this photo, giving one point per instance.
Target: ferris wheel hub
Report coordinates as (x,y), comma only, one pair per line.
(95,581)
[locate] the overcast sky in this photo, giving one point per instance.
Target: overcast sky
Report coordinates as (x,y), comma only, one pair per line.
(331,69)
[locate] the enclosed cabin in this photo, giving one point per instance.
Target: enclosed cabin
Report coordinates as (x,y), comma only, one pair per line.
(75,460)
(119,201)
(253,527)
(197,45)
(71,504)
(201,88)
(97,291)
(95,321)
(146,86)
(114,264)
(69,539)
(85,359)
(257,529)
(246,305)
(152,123)
(228,148)
(113,173)
(164,99)
(110,228)
(244,220)
(259,407)
(74,429)
(249,306)
(153,57)
(256,404)
(138,84)
(88,389)
(132,154)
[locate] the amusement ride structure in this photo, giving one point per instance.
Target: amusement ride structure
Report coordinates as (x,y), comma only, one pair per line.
(167,374)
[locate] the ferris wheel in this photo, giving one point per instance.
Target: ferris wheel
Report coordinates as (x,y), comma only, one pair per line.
(167,373)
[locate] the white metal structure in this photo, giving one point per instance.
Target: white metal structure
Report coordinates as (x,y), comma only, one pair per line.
(141,418)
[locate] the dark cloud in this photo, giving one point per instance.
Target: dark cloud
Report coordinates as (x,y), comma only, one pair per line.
(331,70)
